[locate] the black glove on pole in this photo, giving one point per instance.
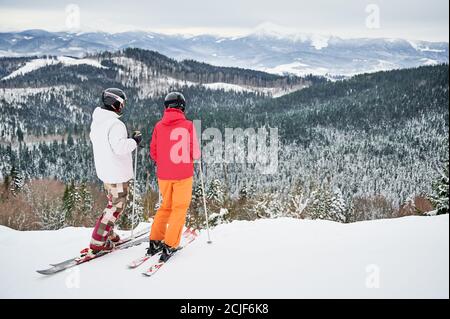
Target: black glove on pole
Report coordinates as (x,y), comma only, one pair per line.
(137,136)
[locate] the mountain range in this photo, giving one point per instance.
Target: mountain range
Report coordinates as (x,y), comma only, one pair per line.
(264,50)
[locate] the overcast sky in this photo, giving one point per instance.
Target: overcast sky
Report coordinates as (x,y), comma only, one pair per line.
(410,19)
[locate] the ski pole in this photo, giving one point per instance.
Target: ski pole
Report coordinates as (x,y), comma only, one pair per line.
(204,201)
(159,191)
(134,193)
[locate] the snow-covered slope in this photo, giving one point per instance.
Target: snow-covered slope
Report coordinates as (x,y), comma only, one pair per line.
(273,91)
(42,62)
(134,73)
(281,258)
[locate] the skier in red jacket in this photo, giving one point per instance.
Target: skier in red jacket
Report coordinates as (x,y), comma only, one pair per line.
(173,148)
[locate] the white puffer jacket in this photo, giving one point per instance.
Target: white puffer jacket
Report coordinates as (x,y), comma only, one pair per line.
(112,147)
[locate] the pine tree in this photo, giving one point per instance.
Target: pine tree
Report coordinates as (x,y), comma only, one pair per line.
(19,135)
(196,215)
(327,204)
(216,199)
(86,200)
(269,205)
(69,201)
(338,207)
(215,193)
(222,217)
(440,195)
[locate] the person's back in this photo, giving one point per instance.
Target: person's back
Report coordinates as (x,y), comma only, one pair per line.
(113,161)
(174,148)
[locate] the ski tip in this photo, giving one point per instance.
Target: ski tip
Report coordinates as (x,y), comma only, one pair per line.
(132,266)
(45,272)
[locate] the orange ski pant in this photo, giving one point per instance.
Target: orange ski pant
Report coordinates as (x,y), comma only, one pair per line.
(171,216)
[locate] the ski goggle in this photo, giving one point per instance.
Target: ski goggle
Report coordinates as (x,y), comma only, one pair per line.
(117,98)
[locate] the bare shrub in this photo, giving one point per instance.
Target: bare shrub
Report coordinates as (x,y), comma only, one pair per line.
(372,207)
(17,213)
(39,205)
(419,205)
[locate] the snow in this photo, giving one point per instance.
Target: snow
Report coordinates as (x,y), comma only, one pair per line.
(427,61)
(42,62)
(276,258)
(271,91)
(227,87)
(71,61)
(29,67)
(297,68)
(319,42)
(269,29)
(72,49)
(423,47)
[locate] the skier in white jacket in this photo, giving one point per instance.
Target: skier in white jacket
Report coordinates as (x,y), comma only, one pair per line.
(113,163)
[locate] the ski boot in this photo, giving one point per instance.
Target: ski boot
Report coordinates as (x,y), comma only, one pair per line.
(155,246)
(167,252)
(107,246)
(114,238)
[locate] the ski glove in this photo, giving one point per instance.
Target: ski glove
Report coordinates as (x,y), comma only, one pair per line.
(137,136)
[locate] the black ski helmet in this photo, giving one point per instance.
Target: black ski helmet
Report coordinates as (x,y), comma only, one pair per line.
(175,100)
(114,100)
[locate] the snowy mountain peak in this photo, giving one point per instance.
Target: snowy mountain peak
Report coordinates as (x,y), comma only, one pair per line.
(271,30)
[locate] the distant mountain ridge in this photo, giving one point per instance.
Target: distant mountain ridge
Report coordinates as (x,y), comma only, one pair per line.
(263,50)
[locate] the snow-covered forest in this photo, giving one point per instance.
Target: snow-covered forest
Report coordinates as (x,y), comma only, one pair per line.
(372,146)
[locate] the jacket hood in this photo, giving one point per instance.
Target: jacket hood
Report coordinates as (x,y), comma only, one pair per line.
(102,115)
(173,117)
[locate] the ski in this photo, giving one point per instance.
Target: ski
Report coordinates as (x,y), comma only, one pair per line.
(86,255)
(188,235)
(159,264)
(153,269)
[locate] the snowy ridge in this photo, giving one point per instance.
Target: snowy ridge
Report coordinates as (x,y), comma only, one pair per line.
(150,84)
(274,92)
(320,259)
(272,30)
(145,78)
(134,72)
(268,46)
(42,62)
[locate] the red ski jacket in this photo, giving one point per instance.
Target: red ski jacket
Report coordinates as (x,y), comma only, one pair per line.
(174,146)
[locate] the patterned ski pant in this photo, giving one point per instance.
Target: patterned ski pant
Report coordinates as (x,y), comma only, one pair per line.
(117,201)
